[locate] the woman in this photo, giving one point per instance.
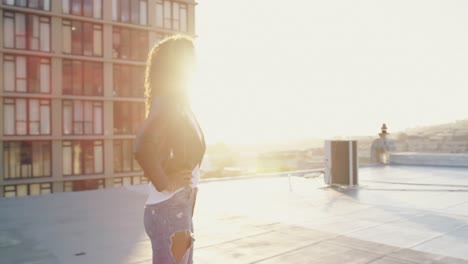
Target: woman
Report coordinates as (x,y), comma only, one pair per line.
(170,147)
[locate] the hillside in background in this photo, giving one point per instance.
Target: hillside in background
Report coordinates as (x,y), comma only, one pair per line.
(453,129)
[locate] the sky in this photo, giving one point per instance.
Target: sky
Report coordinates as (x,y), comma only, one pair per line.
(271,71)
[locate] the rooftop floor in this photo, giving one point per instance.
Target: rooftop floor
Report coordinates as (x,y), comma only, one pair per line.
(396,215)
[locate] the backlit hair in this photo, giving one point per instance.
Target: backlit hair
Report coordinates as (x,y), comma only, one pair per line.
(168,69)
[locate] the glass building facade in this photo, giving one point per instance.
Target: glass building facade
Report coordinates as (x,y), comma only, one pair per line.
(72,95)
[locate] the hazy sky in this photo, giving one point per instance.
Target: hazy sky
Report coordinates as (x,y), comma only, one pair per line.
(280,70)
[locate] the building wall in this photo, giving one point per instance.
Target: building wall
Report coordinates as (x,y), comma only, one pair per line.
(111,88)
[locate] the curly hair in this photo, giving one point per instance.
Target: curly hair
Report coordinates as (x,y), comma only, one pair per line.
(168,68)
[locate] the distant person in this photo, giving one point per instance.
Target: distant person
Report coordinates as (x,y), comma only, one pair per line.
(170,147)
(381,147)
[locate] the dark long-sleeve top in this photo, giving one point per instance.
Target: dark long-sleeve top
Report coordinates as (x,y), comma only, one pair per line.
(169,140)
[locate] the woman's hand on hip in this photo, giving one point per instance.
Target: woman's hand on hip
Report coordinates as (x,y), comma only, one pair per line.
(179,179)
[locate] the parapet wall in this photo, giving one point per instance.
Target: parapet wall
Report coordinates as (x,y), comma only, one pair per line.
(429,159)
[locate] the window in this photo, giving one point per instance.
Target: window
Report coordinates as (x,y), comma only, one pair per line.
(26,74)
(130,11)
(22,116)
(82,117)
(36,4)
(122,181)
(27,189)
(26,159)
(87,8)
(26,31)
(171,15)
(127,117)
(82,78)
(81,185)
(82,157)
(81,38)
(123,156)
(129,44)
(130,180)
(129,81)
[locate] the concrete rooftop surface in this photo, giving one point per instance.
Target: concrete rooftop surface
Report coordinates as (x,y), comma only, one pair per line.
(397,215)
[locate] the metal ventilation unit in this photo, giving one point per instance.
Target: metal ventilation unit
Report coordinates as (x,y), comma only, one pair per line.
(341,165)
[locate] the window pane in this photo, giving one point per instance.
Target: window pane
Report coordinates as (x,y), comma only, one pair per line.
(37,160)
(21,3)
(139,45)
(20,85)
(8,32)
(21,190)
(97,37)
(88,39)
(14,164)
(138,78)
(21,116)
(143,12)
(77,78)
(33,32)
(9,75)
(20,30)
(33,117)
(98,119)
(159,15)
(98,156)
(135,11)
(67,159)
(45,36)
(45,78)
(34,189)
(46,157)
(115,43)
(45,119)
(77,37)
(183,19)
(46,188)
(46,4)
(77,156)
(98,79)
(20,74)
(67,72)
(33,74)
(33,3)
(20,67)
(115,10)
(66,38)
(66,6)
(67,117)
(136,180)
(117,155)
(88,78)
(76,7)
(77,117)
(88,118)
(88,8)
(167,14)
(125,44)
(88,154)
(127,181)
(9,119)
(68,186)
(127,155)
(175,16)
(124,10)
(97,9)
(119,117)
